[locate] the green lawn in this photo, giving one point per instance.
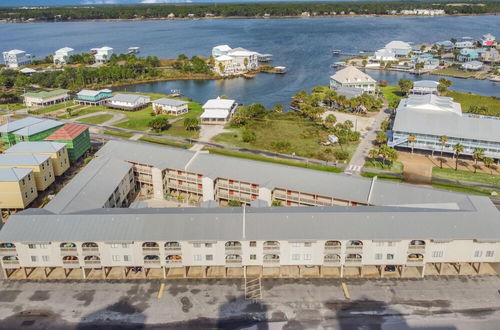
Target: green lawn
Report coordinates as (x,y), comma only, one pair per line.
(97,119)
(468,99)
(454,72)
(12,106)
(286,133)
(51,108)
(464,189)
(177,128)
(245,155)
(467,176)
(118,133)
(396,167)
(386,177)
(159,140)
(392,94)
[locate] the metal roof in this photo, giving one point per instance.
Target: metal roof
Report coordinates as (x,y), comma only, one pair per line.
(22,159)
(13,174)
(45,94)
(351,74)
(18,124)
(89,92)
(128,98)
(38,127)
(36,146)
(218,104)
(171,102)
(272,223)
(426,84)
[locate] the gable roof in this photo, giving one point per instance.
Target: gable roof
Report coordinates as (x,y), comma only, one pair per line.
(45,94)
(351,74)
(218,104)
(22,159)
(129,98)
(425,84)
(38,127)
(89,92)
(67,132)
(36,146)
(172,102)
(397,44)
(13,174)
(18,124)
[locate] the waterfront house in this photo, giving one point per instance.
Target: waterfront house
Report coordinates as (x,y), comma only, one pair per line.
(399,48)
(38,131)
(468,54)
(244,60)
(472,66)
(218,111)
(353,78)
(423,87)
(75,136)
(28,71)
(92,97)
(40,164)
(225,65)
(57,151)
(447,45)
(428,61)
(17,188)
(170,106)
(464,42)
(427,117)
(488,40)
(7,137)
(384,55)
(130,102)
(220,50)
(61,56)
(233,61)
(490,56)
(102,54)
(15,58)
(44,98)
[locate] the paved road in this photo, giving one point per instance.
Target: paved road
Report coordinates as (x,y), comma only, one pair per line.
(366,144)
(443,303)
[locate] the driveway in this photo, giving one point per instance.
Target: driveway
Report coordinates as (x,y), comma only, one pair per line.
(207,133)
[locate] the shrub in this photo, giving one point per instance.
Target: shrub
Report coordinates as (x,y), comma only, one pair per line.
(341,155)
(248,135)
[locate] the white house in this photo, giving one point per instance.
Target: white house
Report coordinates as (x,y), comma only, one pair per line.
(170,106)
(351,77)
(464,42)
(62,55)
(244,60)
(384,55)
(102,54)
(128,101)
(218,111)
(16,58)
(472,66)
(399,48)
(225,65)
(423,87)
(488,40)
(220,50)
(230,61)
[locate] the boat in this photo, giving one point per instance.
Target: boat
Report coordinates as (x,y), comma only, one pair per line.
(175,92)
(337,64)
(336,51)
(279,69)
(265,57)
(134,50)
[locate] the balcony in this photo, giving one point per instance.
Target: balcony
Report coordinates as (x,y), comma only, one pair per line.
(238,187)
(183,177)
(8,251)
(174,263)
(149,250)
(352,261)
(90,250)
(92,263)
(72,263)
(333,246)
(271,262)
(68,250)
(416,246)
(331,262)
(173,248)
(10,263)
(185,188)
(271,246)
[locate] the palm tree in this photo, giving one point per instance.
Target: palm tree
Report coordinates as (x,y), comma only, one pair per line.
(384,152)
(442,140)
(477,155)
(458,148)
(488,161)
(373,154)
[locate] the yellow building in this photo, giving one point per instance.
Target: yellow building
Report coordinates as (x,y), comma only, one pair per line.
(17,187)
(57,151)
(40,164)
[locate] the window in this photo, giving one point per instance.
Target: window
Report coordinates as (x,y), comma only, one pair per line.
(29,177)
(197,257)
(253,257)
(31,190)
(378,256)
(115,258)
(478,254)
(31,246)
(437,254)
(24,182)
(295,256)
(489,254)
(208,245)
(390,256)
(391,243)
(379,244)
(26,195)
(114,245)
(307,256)
(253,243)
(43,246)
(125,245)
(296,244)
(34,258)
(126,258)
(196,245)
(307,244)
(209,257)
(45,258)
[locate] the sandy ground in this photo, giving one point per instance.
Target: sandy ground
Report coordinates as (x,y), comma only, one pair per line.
(207,133)
(361,123)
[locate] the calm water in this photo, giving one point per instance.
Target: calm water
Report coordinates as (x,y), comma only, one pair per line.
(302,45)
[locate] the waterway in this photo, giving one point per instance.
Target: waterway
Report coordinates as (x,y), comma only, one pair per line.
(303,45)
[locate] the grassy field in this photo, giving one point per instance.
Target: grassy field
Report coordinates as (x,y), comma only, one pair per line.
(12,106)
(118,133)
(97,119)
(51,108)
(245,155)
(464,189)
(467,176)
(392,93)
(177,128)
(170,143)
(468,99)
(454,72)
(386,177)
(286,133)
(396,167)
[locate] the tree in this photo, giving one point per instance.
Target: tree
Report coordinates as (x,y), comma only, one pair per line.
(330,121)
(373,154)
(458,148)
(278,108)
(276,203)
(341,154)
(191,123)
(477,154)
(405,85)
(392,155)
(488,161)
(442,141)
(364,62)
(384,151)
(234,203)
(245,62)
(384,125)
(381,137)
(159,123)
(248,135)
(444,84)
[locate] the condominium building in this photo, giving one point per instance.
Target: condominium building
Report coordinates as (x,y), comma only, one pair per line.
(58,153)
(17,188)
(37,131)
(359,227)
(427,117)
(16,58)
(40,164)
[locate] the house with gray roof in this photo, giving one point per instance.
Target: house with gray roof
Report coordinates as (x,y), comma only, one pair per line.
(352,77)
(130,102)
(169,106)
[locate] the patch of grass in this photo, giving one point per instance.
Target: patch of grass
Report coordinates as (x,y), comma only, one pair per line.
(287,133)
(177,128)
(12,106)
(51,108)
(467,176)
(159,140)
(97,119)
(118,133)
(239,154)
(396,167)
(464,189)
(468,99)
(454,72)
(392,93)
(386,177)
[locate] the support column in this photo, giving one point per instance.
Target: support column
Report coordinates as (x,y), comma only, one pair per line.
(83,273)
(4,272)
(341,271)
(164,272)
(103,273)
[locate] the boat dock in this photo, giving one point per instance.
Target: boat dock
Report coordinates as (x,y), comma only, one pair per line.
(134,50)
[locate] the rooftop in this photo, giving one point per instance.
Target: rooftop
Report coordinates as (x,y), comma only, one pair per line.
(351,74)
(88,92)
(15,51)
(36,146)
(397,44)
(22,159)
(38,127)
(18,124)
(64,50)
(13,174)
(426,84)
(171,102)
(67,132)
(46,94)
(128,98)
(218,104)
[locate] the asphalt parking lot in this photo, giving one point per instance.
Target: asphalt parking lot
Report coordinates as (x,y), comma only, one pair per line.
(440,302)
